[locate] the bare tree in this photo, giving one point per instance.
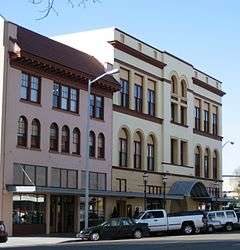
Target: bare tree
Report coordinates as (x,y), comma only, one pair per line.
(48,6)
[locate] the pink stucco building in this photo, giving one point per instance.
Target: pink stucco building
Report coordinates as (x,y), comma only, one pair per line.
(43,103)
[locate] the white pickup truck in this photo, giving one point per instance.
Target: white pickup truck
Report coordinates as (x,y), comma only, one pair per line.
(159,221)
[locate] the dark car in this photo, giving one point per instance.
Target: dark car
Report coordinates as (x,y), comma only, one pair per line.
(116,228)
(3,233)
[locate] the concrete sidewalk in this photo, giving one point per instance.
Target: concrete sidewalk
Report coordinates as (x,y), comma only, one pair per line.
(35,241)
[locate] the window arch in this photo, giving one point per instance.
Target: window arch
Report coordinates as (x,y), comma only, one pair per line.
(92,142)
(183,89)
(215,164)
(76,141)
(54,137)
(123,148)
(101,146)
(198,161)
(137,159)
(206,163)
(22,128)
(36,133)
(65,139)
(174,85)
(150,153)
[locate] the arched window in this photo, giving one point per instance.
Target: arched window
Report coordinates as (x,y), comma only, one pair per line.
(36,131)
(137,151)
(22,131)
(215,165)
(150,154)
(92,141)
(65,139)
(174,85)
(183,89)
(206,163)
(123,148)
(54,137)
(197,161)
(101,146)
(76,141)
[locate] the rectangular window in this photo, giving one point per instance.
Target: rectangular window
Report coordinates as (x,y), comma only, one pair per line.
(138,97)
(30,175)
(197,118)
(123,152)
(97,181)
(174,116)
(183,151)
(30,88)
(64,178)
(137,155)
(122,185)
(174,151)
(215,124)
(97,107)
(124,93)
(183,115)
(65,97)
(151,102)
(150,157)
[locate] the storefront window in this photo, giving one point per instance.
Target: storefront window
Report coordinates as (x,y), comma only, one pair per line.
(29,209)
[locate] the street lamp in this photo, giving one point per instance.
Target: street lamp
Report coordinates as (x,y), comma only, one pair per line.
(231,142)
(164,180)
(90,82)
(145,179)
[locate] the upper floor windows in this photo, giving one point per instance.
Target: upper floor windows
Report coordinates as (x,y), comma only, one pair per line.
(150,154)
(76,141)
(123,148)
(137,157)
(30,88)
(174,89)
(183,89)
(124,93)
(215,165)
(65,98)
(151,102)
(197,118)
(22,131)
(215,120)
(54,137)
(92,142)
(101,146)
(65,139)
(206,121)
(138,97)
(197,161)
(206,163)
(35,137)
(97,107)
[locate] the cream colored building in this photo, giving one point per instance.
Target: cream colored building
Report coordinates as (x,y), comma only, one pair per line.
(173,117)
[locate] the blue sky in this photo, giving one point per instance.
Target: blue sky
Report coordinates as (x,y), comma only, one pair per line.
(205,33)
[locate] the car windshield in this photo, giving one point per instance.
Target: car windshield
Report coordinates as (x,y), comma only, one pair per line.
(139,215)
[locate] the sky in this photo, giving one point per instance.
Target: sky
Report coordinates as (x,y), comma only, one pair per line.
(205,33)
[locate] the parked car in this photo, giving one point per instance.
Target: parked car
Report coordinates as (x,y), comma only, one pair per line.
(225,219)
(3,233)
(115,228)
(159,221)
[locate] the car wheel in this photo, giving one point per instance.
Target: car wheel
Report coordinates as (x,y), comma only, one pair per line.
(137,234)
(210,229)
(3,239)
(229,227)
(197,230)
(94,237)
(187,229)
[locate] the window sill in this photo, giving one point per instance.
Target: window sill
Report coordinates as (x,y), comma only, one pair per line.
(35,149)
(97,119)
(31,102)
(65,111)
(53,152)
(65,153)
(75,155)
(22,147)
(179,124)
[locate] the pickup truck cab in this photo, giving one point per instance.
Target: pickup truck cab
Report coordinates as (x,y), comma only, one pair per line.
(225,219)
(159,221)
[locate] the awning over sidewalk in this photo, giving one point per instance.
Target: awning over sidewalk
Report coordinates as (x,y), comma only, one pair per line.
(81,192)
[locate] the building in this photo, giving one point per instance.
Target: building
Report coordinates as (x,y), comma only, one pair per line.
(231,186)
(43,102)
(167,122)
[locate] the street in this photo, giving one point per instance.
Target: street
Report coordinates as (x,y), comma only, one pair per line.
(222,241)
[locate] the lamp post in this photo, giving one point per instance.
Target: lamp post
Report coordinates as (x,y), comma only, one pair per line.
(90,82)
(145,179)
(231,142)
(164,180)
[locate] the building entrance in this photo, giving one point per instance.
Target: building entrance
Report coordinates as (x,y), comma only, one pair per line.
(62,214)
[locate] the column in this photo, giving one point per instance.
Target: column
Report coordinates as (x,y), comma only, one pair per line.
(48,204)
(131,90)
(145,99)
(158,99)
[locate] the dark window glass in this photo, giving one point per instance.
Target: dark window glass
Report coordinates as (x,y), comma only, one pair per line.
(35,137)
(206,164)
(54,137)
(97,181)
(206,121)
(123,152)
(215,167)
(122,185)
(65,139)
(151,102)
(150,157)
(138,97)
(124,93)
(197,163)
(137,154)
(183,115)
(22,131)
(157,214)
(215,124)
(101,146)
(65,97)
(92,142)
(64,178)
(197,118)
(97,107)
(76,141)
(30,88)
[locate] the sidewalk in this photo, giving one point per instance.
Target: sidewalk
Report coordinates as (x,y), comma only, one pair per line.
(34,241)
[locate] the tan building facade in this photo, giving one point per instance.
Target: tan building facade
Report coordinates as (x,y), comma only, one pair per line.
(167,121)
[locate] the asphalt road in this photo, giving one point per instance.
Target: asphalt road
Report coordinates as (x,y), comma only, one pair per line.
(196,242)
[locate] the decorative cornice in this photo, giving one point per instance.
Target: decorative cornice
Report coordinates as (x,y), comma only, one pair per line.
(202,133)
(133,52)
(208,87)
(130,112)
